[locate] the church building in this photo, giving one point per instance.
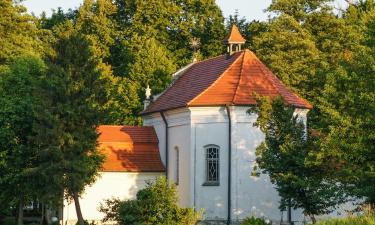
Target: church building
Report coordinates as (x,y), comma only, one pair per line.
(199,135)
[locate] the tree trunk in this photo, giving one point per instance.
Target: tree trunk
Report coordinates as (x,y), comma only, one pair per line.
(42,217)
(290,212)
(78,209)
(313,220)
(20,212)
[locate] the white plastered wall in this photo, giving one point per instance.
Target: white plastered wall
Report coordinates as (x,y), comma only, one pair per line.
(190,130)
(250,196)
(179,137)
(122,185)
(209,126)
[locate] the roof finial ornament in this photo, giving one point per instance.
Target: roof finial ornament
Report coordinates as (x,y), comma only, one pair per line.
(234,40)
(148,92)
(195,44)
(147,101)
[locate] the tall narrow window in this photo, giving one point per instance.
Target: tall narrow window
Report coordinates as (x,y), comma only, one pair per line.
(212,165)
(177,165)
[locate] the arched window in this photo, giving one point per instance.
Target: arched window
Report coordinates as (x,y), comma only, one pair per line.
(212,165)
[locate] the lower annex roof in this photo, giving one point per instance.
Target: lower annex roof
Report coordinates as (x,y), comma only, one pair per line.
(130,149)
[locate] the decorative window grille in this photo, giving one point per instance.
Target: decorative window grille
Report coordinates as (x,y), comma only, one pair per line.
(212,165)
(177,165)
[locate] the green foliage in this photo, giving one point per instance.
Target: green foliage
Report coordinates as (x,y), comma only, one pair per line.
(95,21)
(76,93)
(152,66)
(74,87)
(353,220)
(254,221)
(288,158)
(137,46)
(18,32)
(329,60)
(10,221)
(288,50)
(19,99)
(298,9)
(349,103)
(175,24)
(154,205)
(58,17)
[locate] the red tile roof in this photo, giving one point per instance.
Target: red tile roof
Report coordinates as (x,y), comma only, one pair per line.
(130,149)
(224,81)
(235,36)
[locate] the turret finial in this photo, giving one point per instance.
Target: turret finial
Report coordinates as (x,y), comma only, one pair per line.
(148,92)
(234,40)
(147,101)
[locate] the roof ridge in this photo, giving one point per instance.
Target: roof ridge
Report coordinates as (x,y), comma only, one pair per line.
(239,80)
(217,80)
(181,75)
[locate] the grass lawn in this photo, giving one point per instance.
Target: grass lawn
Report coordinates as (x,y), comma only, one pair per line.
(354,220)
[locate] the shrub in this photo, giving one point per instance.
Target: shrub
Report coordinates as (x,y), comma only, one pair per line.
(355,220)
(154,205)
(9,221)
(254,221)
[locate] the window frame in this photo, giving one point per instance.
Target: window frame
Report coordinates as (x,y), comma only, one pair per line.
(209,181)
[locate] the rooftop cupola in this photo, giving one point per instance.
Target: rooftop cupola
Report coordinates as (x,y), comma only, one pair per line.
(234,41)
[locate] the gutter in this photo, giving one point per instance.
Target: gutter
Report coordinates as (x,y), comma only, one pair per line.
(166,143)
(229,163)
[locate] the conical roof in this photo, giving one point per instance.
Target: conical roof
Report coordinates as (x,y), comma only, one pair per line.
(235,36)
(224,81)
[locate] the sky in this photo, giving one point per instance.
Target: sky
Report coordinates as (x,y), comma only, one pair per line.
(250,9)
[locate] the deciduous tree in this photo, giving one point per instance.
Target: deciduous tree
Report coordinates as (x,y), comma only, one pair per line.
(18,32)
(19,100)
(348,101)
(288,158)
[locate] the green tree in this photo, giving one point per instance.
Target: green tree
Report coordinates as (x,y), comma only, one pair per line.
(152,65)
(298,9)
(18,32)
(58,17)
(151,46)
(19,99)
(155,205)
(76,92)
(288,158)
(348,102)
(288,49)
(136,46)
(174,25)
